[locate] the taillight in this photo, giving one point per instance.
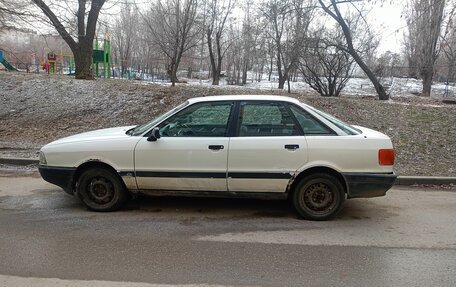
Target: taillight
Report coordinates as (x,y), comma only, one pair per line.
(386,156)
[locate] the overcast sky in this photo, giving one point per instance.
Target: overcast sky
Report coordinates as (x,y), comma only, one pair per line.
(387,20)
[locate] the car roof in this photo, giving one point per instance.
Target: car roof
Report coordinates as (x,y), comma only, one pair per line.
(243,98)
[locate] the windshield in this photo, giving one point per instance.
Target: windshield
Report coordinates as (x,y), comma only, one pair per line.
(348,129)
(139,130)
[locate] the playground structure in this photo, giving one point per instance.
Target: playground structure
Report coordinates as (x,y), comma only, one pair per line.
(63,63)
(58,63)
(102,56)
(5,63)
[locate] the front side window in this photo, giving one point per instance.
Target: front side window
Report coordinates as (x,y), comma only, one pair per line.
(147,126)
(199,120)
(266,119)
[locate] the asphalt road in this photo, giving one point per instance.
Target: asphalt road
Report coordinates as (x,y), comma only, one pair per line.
(47,238)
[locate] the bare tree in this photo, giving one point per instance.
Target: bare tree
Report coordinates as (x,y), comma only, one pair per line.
(173,29)
(234,57)
(331,8)
(247,52)
(424,20)
(411,46)
(86,23)
(324,67)
(125,36)
(448,46)
(389,65)
(289,21)
(247,45)
(218,12)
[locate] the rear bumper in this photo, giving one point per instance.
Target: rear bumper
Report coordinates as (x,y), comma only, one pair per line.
(60,176)
(362,185)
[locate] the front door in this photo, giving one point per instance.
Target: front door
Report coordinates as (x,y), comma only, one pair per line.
(191,154)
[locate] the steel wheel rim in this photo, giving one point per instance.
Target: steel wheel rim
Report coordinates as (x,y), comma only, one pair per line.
(319,197)
(100,190)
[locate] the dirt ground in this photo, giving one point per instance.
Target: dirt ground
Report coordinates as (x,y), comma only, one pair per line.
(37,109)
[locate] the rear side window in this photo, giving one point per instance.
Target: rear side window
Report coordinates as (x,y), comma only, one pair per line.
(309,124)
(266,119)
(350,130)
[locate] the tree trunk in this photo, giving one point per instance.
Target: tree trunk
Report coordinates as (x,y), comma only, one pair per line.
(215,81)
(244,72)
(451,72)
(215,77)
(382,95)
(289,87)
(173,76)
(217,72)
(427,82)
(282,78)
(83,61)
(172,72)
(271,65)
(282,81)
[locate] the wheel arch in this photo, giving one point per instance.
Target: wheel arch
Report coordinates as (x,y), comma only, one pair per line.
(91,164)
(316,169)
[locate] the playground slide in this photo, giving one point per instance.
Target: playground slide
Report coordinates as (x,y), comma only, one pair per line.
(7,65)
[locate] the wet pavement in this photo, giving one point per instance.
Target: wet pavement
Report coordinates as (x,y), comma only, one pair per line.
(407,238)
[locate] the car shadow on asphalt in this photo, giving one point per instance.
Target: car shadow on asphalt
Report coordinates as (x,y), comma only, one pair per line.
(212,206)
(204,207)
(179,207)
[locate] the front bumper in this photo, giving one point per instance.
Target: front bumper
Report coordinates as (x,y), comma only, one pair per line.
(60,176)
(363,185)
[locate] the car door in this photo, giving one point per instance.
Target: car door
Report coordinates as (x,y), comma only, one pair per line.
(269,147)
(192,152)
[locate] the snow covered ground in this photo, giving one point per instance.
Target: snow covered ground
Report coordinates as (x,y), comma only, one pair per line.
(355,87)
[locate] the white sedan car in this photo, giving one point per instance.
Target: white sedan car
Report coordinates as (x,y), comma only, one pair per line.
(241,146)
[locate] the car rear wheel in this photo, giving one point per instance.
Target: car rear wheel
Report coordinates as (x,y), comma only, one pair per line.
(101,190)
(318,197)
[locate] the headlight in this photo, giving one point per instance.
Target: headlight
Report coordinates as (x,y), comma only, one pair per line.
(42,159)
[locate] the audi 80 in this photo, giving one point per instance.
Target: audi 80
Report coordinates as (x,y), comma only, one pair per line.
(240,146)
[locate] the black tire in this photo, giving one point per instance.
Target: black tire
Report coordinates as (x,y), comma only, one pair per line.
(318,197)
(101,190)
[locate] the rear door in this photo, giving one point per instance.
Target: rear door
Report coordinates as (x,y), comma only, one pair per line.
(268,148)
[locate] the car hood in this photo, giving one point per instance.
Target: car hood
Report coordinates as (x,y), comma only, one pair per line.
(96,135)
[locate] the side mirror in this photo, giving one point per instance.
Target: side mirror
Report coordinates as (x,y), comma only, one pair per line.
(155,135)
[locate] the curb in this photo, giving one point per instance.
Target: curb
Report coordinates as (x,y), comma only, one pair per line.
(401,180)
(18,161)
(433,180)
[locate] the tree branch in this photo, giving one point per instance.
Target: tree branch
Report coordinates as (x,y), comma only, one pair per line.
(57,24)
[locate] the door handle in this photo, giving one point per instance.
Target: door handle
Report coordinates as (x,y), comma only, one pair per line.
(216,147)
(292,146)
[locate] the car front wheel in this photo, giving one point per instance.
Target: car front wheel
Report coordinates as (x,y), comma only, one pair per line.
(318,197)
(101,190)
